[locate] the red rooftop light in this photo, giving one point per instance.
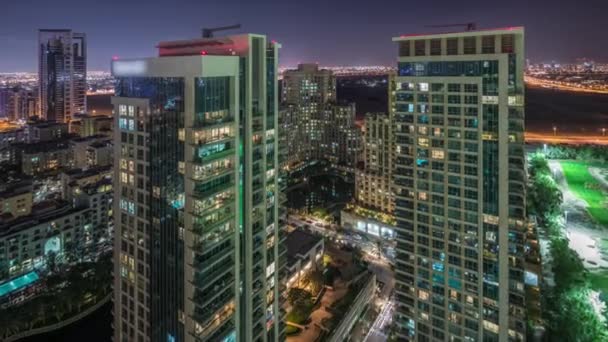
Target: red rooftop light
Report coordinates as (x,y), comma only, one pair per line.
(114,58)
(203,52)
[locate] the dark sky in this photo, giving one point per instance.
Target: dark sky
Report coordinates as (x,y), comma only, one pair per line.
(331,32)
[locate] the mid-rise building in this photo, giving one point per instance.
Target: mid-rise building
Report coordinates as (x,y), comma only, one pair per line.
(196,248)
(87,125)
(15,198)
(41,131)
(340,140)
(460,186)
(43,157)
(88,151)
(62,74)
(18,103)
(373,183)
(318,127)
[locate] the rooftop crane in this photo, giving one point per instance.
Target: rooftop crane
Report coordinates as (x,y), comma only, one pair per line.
(208,32)
(469,26)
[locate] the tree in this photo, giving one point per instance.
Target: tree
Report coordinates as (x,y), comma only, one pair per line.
(544,196)
(297,295)
(538,164)
(574,318)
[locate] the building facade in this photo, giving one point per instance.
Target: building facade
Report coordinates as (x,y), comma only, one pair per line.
(318,127)
(373,183)
(62,74)
(196,201)
(18,103)
(460,186)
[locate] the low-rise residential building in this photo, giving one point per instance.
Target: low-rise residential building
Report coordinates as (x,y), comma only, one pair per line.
(15,199)
(304,253)
(9,134)
(81,150)
(75,178)
(43,157)
(40,131)
(58,231)
(100,153)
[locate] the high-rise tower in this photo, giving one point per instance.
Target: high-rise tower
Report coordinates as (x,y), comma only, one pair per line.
(196,195)
(460,186)
(62,74)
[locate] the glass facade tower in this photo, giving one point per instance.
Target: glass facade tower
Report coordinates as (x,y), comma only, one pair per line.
(62,74)
(459,181)
(197,255)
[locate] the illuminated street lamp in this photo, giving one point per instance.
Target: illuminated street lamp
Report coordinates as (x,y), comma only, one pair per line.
(603,131)
(554,130)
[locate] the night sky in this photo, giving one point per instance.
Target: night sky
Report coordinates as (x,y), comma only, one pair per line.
(331,32)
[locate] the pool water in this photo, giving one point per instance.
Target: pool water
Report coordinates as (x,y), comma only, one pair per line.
(18,283)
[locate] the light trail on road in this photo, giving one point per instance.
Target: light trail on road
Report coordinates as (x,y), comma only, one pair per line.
(564,86)
(550,138)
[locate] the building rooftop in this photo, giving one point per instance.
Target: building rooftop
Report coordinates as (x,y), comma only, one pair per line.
(299,242)
(43,212)
(84,173)
(447,34)
(43,146)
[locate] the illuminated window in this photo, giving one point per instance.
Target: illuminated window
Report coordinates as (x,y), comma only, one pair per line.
(423,196)
(131,110)
(124,177)
(437,154)
(423,86)
(423,142)
(423,295)
(122,110)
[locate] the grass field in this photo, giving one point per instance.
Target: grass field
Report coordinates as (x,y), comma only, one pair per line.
(599,281)
(584,186)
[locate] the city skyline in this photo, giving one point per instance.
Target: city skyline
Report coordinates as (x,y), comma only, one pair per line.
(311,36)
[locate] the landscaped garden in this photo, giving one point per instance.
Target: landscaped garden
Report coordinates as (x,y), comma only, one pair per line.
(587,188)
(572,308)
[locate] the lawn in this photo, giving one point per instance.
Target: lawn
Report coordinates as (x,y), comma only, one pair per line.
(586,187)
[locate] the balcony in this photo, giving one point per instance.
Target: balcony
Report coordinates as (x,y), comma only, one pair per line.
(201,139)
(205,224)
(202,121)
(207,189)
(208,304)
(205,172)
(225,270)
(207,158)
(209,296)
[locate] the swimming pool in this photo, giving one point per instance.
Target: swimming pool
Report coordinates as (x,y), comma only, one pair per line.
(18,283)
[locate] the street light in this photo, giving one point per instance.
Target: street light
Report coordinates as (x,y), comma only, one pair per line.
(554,130)
(603,132)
